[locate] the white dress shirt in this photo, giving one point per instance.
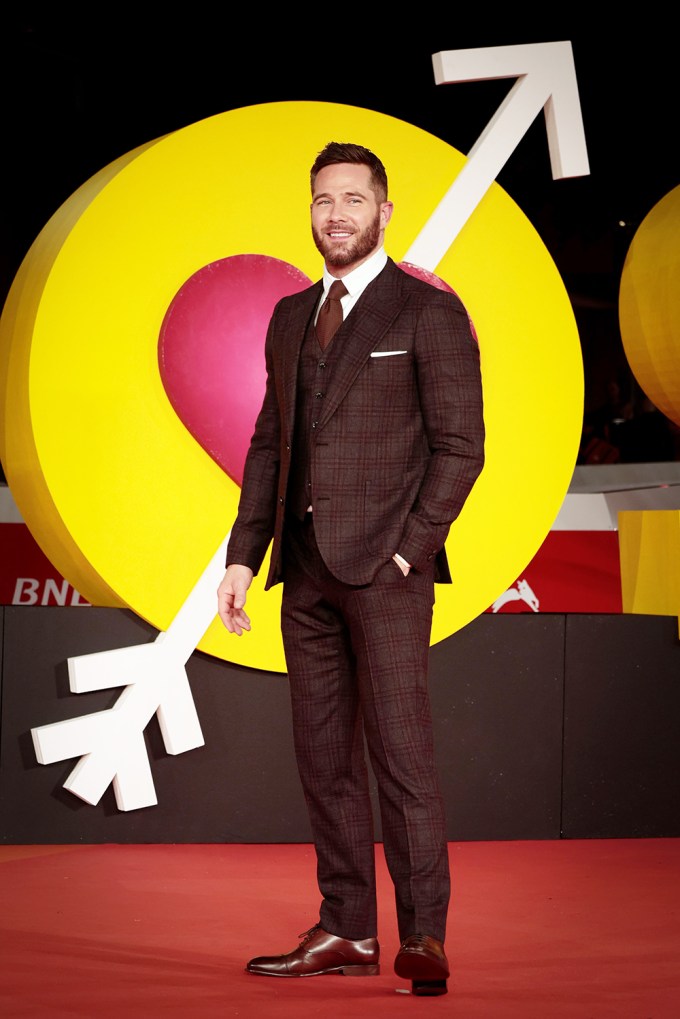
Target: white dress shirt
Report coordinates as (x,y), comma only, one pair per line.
(355,281)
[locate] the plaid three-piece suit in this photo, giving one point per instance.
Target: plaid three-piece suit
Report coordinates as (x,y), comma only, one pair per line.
(393,440)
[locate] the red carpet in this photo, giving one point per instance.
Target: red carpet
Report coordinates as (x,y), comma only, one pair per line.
(585,929)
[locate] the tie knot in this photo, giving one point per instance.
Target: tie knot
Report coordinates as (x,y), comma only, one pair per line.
(337,290)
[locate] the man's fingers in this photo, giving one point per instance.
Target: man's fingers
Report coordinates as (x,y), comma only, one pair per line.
(239,617)
(235,622)
(232,614)
(231,597)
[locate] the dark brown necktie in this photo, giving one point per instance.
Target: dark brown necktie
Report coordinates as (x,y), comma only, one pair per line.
(330,314)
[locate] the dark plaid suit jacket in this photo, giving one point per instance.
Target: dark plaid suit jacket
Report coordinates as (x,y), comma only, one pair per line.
(399,441)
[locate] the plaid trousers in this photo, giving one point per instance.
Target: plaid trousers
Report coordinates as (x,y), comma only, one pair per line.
(357,660)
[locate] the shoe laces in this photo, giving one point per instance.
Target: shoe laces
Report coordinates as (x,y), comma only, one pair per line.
(419,940)
(308,935)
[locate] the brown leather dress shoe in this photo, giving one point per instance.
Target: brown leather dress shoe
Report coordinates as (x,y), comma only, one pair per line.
(319,953)
(421,959)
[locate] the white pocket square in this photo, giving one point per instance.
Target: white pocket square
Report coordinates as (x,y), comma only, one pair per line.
(387,353)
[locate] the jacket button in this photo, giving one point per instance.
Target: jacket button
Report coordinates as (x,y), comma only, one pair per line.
(281,500)
(314,424)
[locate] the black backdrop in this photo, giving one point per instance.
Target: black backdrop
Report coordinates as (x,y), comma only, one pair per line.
(79,91)
(546,727)
(561,725)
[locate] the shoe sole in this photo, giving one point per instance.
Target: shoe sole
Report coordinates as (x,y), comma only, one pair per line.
(429,988)
(346,971)
(416,967)
(428,978)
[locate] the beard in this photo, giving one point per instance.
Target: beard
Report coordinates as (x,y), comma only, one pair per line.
(354,249)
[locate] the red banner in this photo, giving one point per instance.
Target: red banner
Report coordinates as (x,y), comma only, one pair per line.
(573,571)
(27,577)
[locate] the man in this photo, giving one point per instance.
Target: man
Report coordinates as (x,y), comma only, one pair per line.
(364,452)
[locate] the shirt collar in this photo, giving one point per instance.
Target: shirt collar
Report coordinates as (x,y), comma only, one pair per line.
(358,279)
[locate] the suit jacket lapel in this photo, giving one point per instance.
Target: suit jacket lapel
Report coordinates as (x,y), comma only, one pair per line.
(365,326)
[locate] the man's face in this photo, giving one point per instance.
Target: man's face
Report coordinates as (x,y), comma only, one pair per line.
(348,222)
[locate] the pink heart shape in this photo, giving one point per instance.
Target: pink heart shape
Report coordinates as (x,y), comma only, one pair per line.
(211,348)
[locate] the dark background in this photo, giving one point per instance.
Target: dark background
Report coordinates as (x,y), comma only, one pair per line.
(546,726)
(78,93)
(580,708)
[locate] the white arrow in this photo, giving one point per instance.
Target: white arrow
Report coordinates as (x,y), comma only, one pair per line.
(110,742)
(546,78)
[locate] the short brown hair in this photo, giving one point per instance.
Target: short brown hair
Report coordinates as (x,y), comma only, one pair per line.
(346,152)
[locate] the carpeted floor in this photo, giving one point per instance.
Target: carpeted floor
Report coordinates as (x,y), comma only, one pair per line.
(584,929)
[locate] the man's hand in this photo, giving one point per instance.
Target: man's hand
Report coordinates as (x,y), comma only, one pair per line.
(402,564)
(231,597)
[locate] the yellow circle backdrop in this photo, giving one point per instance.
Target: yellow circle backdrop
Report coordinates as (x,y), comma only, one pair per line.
(122,499)
(649,305)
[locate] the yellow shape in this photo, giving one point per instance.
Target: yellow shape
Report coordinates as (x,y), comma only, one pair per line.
(649,552)
(119,495)
(649,305)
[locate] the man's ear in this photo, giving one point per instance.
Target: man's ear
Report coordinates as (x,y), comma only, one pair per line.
(385,213)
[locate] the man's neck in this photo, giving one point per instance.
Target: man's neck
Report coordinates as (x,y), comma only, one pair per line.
(360,273)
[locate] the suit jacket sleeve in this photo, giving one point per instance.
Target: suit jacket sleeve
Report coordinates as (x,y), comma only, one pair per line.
(254,526)
(450,393)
